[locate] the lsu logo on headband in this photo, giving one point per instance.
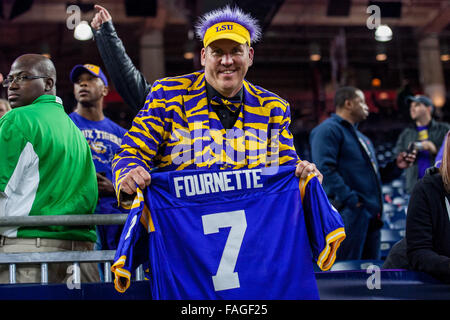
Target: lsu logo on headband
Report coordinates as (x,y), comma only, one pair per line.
(226,30)
(224,27)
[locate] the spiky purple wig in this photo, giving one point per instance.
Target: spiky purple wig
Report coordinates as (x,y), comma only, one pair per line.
(228,14)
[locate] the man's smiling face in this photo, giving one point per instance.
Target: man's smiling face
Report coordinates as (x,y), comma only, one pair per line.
(226,63)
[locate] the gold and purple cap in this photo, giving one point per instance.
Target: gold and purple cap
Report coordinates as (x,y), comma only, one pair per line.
(91,68)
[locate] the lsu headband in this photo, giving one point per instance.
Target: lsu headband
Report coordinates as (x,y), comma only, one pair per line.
(226,30)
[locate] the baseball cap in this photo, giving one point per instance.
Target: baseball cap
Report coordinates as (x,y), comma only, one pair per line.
(421,99)
(91,68)
(226,30)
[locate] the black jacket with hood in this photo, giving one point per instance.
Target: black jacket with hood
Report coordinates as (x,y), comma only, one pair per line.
(428,227)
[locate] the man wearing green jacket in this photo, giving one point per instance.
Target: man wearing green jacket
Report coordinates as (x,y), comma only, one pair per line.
(46,168)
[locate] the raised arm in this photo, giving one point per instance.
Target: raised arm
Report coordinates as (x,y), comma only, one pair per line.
(127,79)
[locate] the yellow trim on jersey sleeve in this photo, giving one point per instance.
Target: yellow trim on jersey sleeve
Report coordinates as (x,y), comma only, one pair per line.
(303,183)
(146,220)
(333,239)
(137,199)
(122,276)
(328,254)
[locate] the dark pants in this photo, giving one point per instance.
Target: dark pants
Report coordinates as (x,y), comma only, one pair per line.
(362,240)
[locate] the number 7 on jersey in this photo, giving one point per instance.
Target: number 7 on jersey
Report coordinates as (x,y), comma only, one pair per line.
(225,277)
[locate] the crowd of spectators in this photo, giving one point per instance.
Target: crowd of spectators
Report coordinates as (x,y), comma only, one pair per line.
(344,158)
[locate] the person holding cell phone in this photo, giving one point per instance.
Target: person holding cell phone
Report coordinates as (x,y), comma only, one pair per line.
(425,136)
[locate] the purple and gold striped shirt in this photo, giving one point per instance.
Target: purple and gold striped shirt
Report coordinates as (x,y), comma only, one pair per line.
(177,129)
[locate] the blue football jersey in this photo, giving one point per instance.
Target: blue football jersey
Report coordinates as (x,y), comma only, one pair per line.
(239,234)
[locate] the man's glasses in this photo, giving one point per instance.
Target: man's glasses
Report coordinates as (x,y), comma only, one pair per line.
(19,79)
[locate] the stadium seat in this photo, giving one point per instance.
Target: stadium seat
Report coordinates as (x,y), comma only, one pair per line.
(388,239)
(398,187)
(381,148)
(388,208)
(394,217)
(399,224)
(387,190)
(355,264)
(399,201)
(389,235)
(397,183)
(399,213)
(389,211)
(386,221)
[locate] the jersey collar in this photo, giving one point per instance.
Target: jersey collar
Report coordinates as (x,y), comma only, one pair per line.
(48,98)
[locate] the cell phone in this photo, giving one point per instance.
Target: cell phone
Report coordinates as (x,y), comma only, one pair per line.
(411,147)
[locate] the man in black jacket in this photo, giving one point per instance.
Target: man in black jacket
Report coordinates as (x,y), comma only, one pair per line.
(127,79)
(425,134)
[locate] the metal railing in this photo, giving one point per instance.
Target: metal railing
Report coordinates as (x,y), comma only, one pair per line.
(74,257)
(64,220)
